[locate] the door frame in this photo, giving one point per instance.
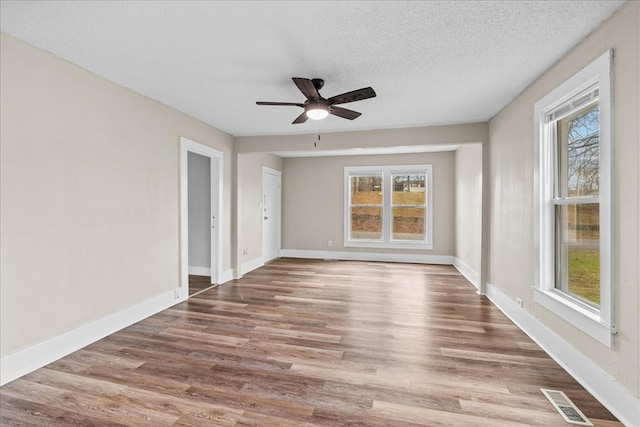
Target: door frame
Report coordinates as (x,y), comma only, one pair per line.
(278,174)
(215,214)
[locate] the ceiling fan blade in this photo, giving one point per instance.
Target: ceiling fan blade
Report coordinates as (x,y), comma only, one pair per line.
(306,87)
(344,113)
(280,103)
(354,95)
(300,119)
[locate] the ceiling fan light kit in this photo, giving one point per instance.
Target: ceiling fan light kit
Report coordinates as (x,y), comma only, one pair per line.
(317,112)
(317,108)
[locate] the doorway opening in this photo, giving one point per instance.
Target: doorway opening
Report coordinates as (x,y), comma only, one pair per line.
(200,208)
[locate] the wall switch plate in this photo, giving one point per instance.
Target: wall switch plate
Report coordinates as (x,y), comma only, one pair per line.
(329,243)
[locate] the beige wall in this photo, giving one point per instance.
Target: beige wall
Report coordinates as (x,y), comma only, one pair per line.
(327,224)
(89,212)
(431,135)
(249,194)
(89,195)
(511,182)
(313,201)
(468,224)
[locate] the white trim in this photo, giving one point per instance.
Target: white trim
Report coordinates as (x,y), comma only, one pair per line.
(467,272)
(576,314)
(372,244)
(613,395)
(22,362)
(227,275)
(599,323)
(199,271)
(367,256)
(251,265)
(216,157)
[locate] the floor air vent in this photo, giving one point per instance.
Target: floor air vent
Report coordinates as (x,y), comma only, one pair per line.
(566,407)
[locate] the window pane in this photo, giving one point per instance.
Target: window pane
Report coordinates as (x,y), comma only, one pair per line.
(366,223)
(408,189)
(579,153)
(366,190)
(578,251)
(408,224)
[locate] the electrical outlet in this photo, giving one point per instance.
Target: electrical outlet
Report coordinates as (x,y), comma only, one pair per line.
(329,243)
(519,302)
(176,293)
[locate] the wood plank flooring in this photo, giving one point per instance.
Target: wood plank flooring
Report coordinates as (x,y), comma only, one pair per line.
(198,283)
(309,343)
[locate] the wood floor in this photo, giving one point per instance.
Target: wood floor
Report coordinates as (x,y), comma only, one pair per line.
(198,283)
(304,343)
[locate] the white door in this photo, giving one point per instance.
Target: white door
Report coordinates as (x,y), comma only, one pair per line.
(271,182)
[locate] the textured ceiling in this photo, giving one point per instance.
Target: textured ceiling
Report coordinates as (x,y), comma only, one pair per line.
(430,63)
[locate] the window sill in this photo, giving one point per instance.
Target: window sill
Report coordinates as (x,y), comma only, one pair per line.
(583,319)
(387,245)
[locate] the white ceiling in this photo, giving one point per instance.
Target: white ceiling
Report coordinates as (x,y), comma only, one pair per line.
(430,63)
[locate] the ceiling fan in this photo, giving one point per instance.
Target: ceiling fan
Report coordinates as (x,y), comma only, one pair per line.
(316,107)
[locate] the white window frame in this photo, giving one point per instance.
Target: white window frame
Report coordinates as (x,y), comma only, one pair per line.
(387,241)
(598,323)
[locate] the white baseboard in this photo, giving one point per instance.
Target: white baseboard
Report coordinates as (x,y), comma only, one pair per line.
(467,272)
(367,256)
(227,275)
(251,265)
(15,365)
(613,395)
(200,271)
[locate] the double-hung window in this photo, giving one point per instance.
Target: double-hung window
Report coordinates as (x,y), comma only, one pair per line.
(388,206)
(573,174)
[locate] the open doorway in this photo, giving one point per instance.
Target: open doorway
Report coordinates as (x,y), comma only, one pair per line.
(199,221)
(200,203)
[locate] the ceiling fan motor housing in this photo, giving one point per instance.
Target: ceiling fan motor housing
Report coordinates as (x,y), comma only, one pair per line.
(312,104)
(317,83)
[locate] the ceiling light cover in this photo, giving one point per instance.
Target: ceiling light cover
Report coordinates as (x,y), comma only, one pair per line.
(317,113)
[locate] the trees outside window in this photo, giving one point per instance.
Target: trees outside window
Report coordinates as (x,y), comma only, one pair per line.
(388,206)
(573,201)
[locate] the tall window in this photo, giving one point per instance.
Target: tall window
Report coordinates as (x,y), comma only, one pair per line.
(577,203)
(388,206)
(573,158)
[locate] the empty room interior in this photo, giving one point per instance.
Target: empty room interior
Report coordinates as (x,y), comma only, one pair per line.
(372,213)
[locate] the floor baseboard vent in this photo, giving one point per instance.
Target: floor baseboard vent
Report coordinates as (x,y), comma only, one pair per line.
(567,409)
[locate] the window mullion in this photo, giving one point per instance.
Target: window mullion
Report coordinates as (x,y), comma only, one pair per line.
(575,200)
(387,217)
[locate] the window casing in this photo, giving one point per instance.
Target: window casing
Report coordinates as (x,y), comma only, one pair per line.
(388,206)
(573,208)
